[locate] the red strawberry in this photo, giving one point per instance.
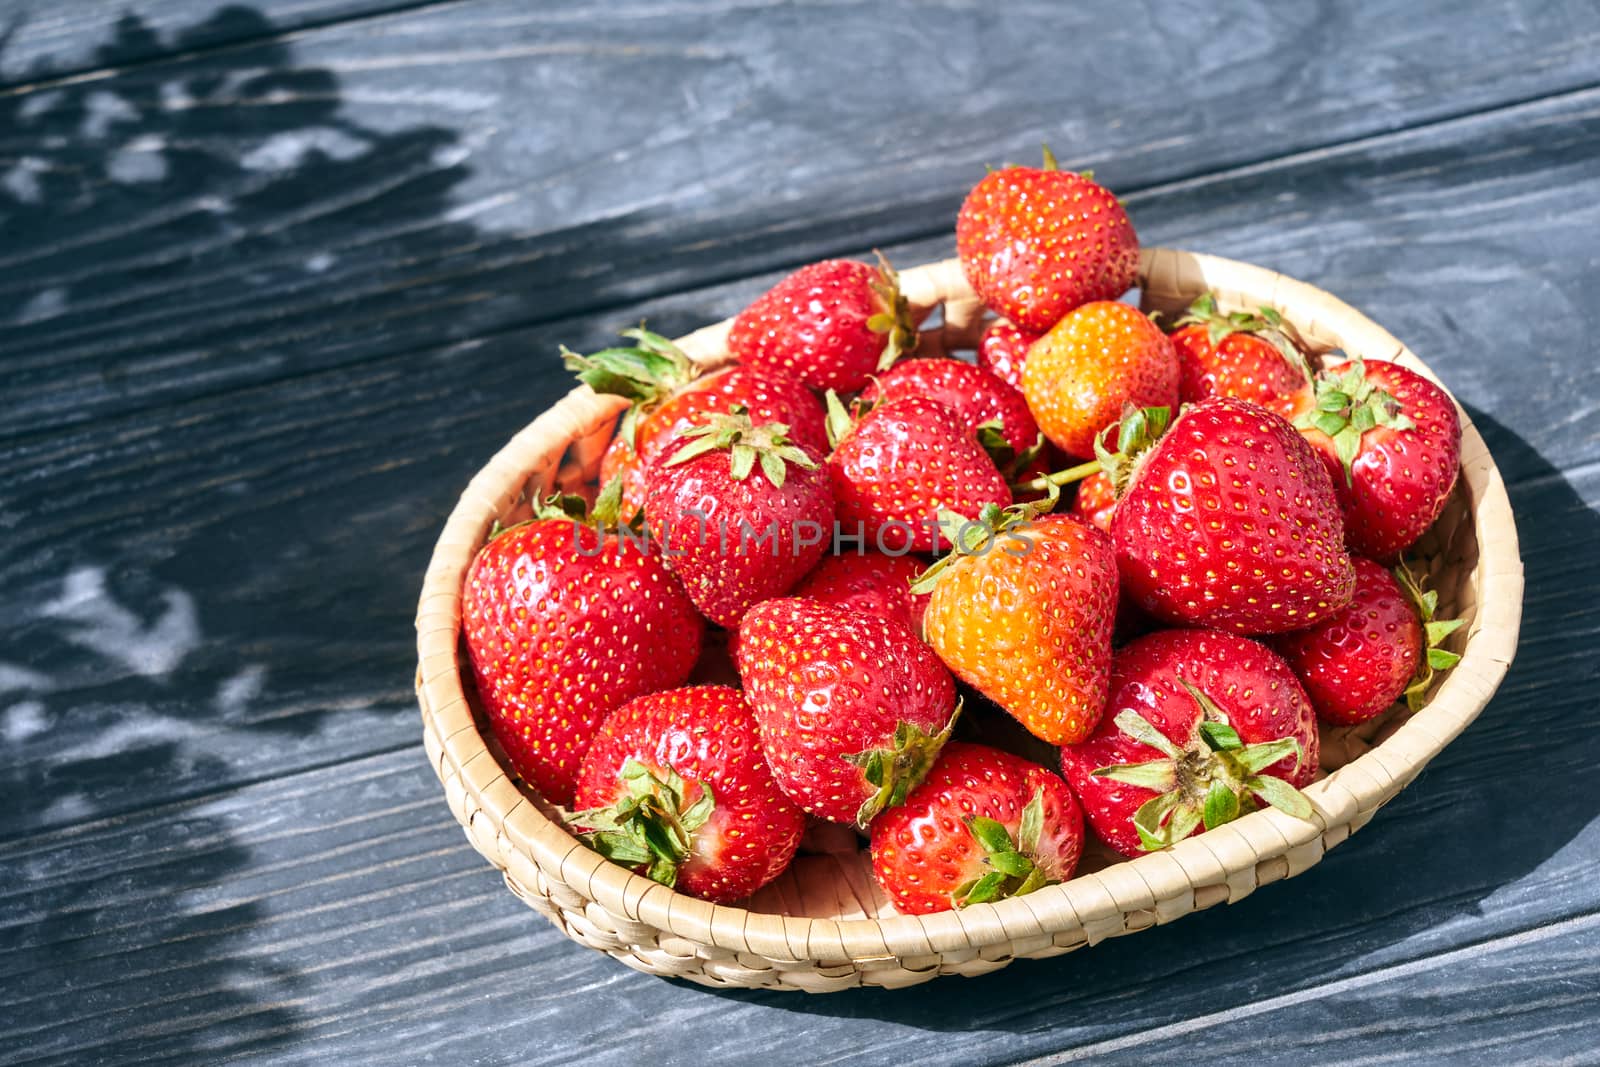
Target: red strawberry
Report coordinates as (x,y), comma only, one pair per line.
(1022,611)
(1200,728)
(557,619)
(1229,521)
(676,786)
(830,325)
(1096,500)
(1250,356)
(1003,349)
(870,582)
(1095,362)
(1359,662)
(853,708)
(900,465)
(670,394)
(1392,443)
(977,398)
(621,461)
(740,512)
(984,825)
(1036,243)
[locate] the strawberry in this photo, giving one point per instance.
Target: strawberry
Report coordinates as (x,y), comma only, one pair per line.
(1096,501)
(676,786)
(741,513)
(1022,611)
(853,708)
(1392,443)
(557,618)
(1003,349)
(1096,361)
(870,582)
(1250,356)
(1037,242)
(902,463)
(1229,521)
(669,394)
(984,825)
(621,461)
(1200,728)
(980,401)
(830,325)
(1382,645)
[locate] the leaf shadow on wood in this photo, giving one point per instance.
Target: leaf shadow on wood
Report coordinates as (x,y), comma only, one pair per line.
(118,680)
(1480,840)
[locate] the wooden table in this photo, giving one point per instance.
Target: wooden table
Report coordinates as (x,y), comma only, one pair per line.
(275,280)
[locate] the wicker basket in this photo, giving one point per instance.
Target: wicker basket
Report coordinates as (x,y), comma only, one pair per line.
(824,925)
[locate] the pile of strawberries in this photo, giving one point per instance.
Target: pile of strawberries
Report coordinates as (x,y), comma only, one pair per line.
(883,541)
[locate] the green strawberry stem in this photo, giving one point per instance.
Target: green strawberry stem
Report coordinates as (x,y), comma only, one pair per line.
(1212,781)
(1435,658)
(1059,478)
(747,445)
(650,826)
(1137,432)
(895,771)
(645,373)
(1013,863)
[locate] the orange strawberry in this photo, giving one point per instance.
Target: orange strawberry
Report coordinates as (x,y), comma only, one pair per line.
(1022,610)
(1092,364)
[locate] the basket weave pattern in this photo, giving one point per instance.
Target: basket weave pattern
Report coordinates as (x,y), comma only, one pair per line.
(824,926)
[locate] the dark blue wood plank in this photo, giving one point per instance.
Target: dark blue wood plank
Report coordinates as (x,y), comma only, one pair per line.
(314,200)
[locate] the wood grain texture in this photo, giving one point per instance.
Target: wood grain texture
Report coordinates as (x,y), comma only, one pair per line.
(210,221)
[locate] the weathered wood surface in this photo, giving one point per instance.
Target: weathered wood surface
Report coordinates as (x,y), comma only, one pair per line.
(221,840)
(289,203)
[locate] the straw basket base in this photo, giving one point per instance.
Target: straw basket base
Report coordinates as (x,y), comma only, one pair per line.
(825,925)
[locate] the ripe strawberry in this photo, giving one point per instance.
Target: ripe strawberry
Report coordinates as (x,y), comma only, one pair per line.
(1229,521)
(621,461)
(870,582)
(1022,611)
(1250,356)
(734,534)
(984,825)
(1392,443)
(1095,362)
(1003,349)
(1359,662)
(979,400)
(558,618)
(1200,728)
(670,394)
(830,325)
(1096,501)
(676,786)
(1037,242)
(853,708)
(902,463)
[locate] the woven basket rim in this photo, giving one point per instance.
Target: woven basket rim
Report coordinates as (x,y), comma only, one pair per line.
(1338,798)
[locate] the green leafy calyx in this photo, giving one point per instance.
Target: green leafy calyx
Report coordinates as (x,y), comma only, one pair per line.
(895,771)
(1347,406)
(1213,780)
(892,317)
(1013,862)
(976,536)
(650,826)
(747,445)
(645,373)
(1435,658)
